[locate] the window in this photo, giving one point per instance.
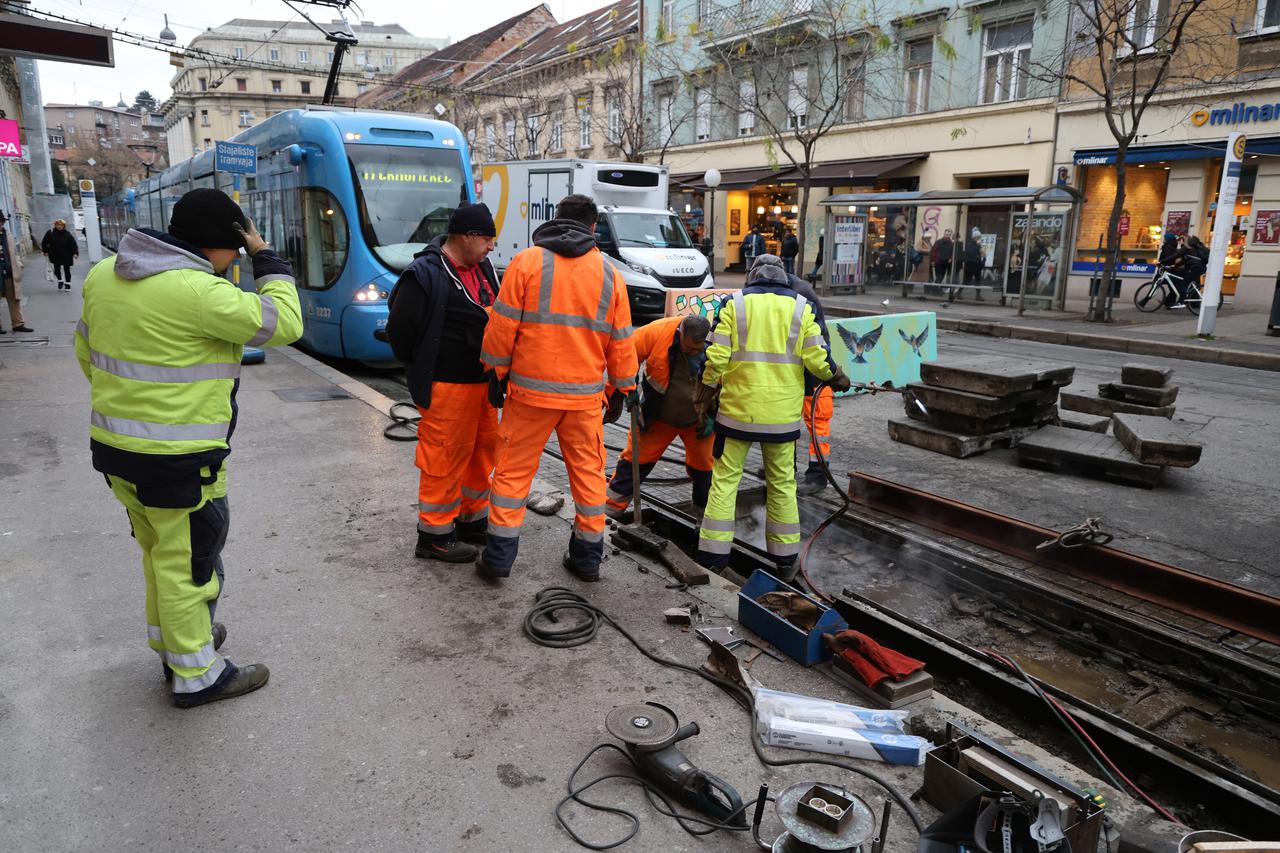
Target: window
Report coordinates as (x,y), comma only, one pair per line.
(613,106)
(277,86)
(208,143)
(246,118)
(362,59)
(583,105)
(1268,20)
(361,88)
(509,136)
(238,52)
(57,139)
(471,139)
(705,8)
(855,86)
(701,114)
(665,99)
(532,134)
(71,114)
(330,57)
(204,118)
(304,56)
(919,68)
(490,141)
(1147,21)
(746,107)
(324,239)
(1006,60)
(667,19)
(388,60)
(557,130)
(306,87)
(204,83)
(275,54)
(798,98)
(242,84)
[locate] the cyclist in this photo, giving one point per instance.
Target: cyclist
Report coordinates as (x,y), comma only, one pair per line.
(1173,258)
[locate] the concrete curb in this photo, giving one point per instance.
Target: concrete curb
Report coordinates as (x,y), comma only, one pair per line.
(1204,352)
(362,392)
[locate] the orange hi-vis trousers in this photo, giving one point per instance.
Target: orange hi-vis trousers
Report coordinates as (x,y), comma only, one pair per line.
(456,441)
(653,443)
(522,435)
(820,426)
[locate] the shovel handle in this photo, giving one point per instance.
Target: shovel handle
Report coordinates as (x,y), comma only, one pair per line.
(638,518)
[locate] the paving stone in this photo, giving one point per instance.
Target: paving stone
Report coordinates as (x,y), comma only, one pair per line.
(1146,375)
(1241,642)
(1156,440)
(1139,394)
(1097,405)
(930,437)
(1088,423)
(995,377)
(1103,455)
(1266,651)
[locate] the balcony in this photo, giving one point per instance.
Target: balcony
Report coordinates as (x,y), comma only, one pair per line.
(745,18)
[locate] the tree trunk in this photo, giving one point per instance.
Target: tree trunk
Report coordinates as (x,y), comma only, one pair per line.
(802,217)
(1113,233)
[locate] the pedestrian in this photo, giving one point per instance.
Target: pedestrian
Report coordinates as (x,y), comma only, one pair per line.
(560,324)
(60,247)
(752,246)
(758,368)
(790,248)
(974,259)
(940,257)
(672,351)
(439,309)
(817,261)
(9,282)
(160,340)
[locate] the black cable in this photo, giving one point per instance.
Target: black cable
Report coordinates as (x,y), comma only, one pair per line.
(837,513)
(551,599)
(402,427)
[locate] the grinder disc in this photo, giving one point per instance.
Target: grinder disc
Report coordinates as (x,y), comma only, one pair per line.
(647,726)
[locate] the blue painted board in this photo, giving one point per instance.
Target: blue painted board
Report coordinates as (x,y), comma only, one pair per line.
(885,348)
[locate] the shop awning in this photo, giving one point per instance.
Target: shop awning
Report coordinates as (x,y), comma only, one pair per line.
(849,173)
(1179,151)
(734,179)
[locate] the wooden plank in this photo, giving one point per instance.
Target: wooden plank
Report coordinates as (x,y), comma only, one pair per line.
(1079,420)
(1088,451)
(982,406)
(930,437)
(1236,847)
(1094,405)
(1146,375)
(995,377)
(1156,441)
(1140,394)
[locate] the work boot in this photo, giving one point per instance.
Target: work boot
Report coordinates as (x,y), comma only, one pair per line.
(243,679)
(473,532)
(491,573)
(23,328)
(582,575)
(444,549)
(815,480)
(219,637)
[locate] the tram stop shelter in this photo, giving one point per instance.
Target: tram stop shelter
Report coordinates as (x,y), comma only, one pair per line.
(887,240)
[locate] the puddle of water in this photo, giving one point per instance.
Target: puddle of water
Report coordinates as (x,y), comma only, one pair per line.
(1256,753)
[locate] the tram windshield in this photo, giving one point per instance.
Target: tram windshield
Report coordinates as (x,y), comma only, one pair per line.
(406,196)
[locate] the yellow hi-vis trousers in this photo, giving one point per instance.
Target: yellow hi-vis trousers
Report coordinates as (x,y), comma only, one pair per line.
(782,516)
(180,549)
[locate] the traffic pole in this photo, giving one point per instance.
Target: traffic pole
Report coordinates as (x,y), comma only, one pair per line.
(1222,226)
(235,196)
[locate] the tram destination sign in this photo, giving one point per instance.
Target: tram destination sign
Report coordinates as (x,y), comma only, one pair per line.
(235,158)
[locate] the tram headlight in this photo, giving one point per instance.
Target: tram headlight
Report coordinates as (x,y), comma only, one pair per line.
(370,294)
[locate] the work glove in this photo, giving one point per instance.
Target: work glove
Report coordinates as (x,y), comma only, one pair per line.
(839,382)
(613,407)
(253,242)
(497,390)
(703,397)
(706,426)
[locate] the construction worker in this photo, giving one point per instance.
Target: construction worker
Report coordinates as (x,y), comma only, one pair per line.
(672,351)
(561,321)
(819,424)
(763,340)
(438,313)
(160,340)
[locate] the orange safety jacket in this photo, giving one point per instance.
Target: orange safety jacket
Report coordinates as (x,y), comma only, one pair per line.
(559,323)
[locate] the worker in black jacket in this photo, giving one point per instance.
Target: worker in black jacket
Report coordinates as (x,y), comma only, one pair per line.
(439,310)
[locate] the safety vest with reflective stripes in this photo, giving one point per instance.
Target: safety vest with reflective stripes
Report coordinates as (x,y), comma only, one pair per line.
(561,328)
(762,342)
(162,353)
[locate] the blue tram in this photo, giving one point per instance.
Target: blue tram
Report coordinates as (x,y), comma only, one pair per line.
(348,196)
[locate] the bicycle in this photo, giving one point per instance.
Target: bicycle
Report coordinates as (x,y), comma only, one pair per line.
(1161,291)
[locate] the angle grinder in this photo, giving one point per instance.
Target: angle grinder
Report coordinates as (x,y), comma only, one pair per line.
(650,733)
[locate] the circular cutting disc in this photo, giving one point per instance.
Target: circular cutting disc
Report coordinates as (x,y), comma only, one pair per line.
(642,726)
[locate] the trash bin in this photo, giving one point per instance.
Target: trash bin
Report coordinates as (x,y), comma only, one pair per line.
(1273,324)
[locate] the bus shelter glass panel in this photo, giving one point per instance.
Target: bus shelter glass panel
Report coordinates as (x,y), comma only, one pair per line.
(1044,259)
(843,249)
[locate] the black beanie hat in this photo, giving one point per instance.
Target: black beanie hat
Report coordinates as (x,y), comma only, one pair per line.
(204,218)
(472,219)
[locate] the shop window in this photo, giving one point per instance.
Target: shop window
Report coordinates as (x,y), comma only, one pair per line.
(919,66)
(746,107)
(1006,62)
(324,239)
(702,114)
(798,98)
(1146,24)
(1268,20)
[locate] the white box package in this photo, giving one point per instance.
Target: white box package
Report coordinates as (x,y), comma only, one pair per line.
(840,740)
(808,709)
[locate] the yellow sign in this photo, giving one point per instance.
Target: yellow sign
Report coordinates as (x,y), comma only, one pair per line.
(1238,149)
(498,173)
(1200,117)
(86,186)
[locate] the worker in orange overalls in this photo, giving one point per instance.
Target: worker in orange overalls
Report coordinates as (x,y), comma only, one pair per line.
(561,321)
(673,351)
(437,316)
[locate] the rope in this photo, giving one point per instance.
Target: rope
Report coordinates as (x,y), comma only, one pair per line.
(1088,532)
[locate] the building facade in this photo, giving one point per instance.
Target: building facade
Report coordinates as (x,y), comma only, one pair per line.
(125,146)
(15,172)
(237,74)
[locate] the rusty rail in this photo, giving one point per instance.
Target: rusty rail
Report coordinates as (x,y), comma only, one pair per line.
(1244,610)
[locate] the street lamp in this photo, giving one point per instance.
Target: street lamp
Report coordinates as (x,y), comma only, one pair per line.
(712,180)
(167,35)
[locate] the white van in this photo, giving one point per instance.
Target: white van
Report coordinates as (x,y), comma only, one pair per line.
(635,226)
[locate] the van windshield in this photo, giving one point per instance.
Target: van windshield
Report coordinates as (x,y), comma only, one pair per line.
(660,230)
(406,196)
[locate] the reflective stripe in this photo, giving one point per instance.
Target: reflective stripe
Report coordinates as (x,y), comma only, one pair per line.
(200,682)
(155,373)
(270,317)
(588,509)
(82,330)
(274,276)
(624,381)
(718,524)
(548,279)
(606,290)
(502,531)
(718,338)
(815,341)
(623,333)
(572,321)
(423,506)
(797,324)
(471,517)
(588,535)
(766,357)
(714,546)
(617,497)
(740,315)
(781,528)
(490,358)
(573,388)
(154,633)
(782,549)
(509,311)
(767,429)
(508,503)
(435,529)
(160,432)
(474,494)
(204,657)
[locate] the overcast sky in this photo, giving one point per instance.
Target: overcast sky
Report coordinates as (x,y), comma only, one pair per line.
(139,68)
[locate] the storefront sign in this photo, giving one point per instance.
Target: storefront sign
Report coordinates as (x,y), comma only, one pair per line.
(1127,270)
(1123,226)
(1178,223)
(1237,113)
(10,138)
(849,237)
(1266,228)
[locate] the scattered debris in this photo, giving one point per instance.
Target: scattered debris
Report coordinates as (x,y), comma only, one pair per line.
(678,615)
(546,504)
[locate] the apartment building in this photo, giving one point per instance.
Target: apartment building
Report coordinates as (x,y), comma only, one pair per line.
(234,75)
(125,146)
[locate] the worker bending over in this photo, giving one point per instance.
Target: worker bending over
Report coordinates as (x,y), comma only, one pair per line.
(561,321)
(763,340)
(673,352)
(439,310)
